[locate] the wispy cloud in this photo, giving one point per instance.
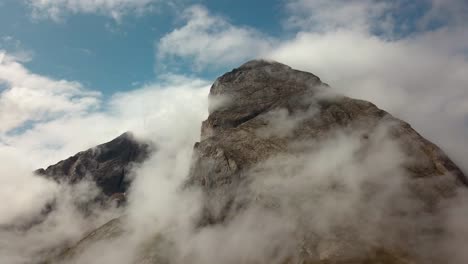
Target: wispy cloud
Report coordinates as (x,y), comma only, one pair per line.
(30,97)
(15,49)
(324,15)
(116,9)
(209,40)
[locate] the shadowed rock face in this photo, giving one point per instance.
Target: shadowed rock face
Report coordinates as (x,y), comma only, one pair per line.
(266,117)
(107,164)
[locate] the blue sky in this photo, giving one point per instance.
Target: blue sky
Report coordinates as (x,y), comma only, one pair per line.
(104,65)
(109,55)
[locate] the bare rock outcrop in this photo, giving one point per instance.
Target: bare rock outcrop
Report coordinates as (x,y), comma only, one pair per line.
(273,121)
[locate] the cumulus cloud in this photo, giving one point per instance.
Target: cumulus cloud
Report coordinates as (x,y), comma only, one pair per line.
(56,9)
(209,40)
(28,97)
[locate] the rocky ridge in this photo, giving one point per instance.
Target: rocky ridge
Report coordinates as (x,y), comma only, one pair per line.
(108,165)
(262,150)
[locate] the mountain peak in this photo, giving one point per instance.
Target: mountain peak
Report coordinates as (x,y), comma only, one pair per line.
(258,63)
(255,88)
(274,128)
(107,164)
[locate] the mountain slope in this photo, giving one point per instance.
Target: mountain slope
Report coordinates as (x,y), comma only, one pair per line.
(277,120)
(107,164)
(292,173)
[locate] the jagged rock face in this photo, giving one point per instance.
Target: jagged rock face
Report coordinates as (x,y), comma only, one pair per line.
(250,92)
(107,164)
(239,135)
(348,182)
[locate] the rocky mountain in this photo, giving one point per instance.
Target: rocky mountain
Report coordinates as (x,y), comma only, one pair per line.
(107,165)
(260,91)
(321,177)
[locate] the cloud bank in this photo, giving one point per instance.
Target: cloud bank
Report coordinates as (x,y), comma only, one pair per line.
(70,119)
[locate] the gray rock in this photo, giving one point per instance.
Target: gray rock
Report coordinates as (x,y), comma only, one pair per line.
(108,165)
(238,136)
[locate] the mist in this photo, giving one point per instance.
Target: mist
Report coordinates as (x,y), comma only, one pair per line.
(339,196)
(168,114)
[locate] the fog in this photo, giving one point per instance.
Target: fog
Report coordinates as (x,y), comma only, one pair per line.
(168,114)
(338,196)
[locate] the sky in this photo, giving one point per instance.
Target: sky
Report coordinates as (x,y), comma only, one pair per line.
(79,45)
(65,65)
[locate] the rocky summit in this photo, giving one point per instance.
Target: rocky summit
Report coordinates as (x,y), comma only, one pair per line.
(302,175)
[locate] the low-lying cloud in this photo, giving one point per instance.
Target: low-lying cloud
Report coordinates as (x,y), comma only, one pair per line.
(168,113)
(339,196)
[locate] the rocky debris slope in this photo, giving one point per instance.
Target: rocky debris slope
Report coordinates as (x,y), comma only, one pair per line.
(107,165)
(309,176)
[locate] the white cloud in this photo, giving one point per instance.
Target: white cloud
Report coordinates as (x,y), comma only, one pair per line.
(453,12)
(15,175)
(421,77)
(391,18)
(15,49)
(325,15)
(56,9)
(169,113)
(30,97)
(363,49)
(141,111)
(210,40)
